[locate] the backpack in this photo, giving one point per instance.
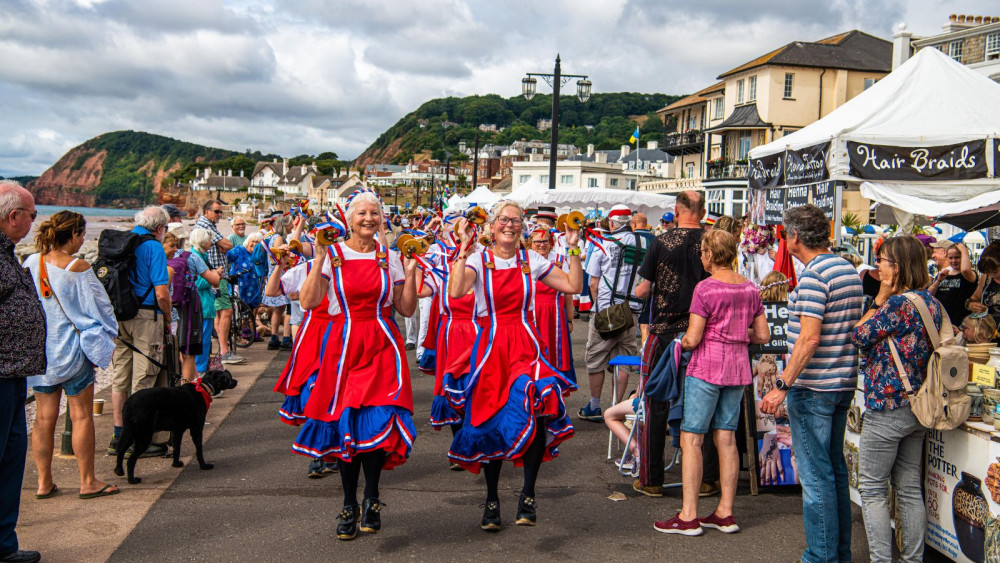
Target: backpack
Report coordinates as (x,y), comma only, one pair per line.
(184,287)
(941,402)
(114,266)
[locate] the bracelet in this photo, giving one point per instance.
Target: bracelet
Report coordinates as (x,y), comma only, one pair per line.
(574,251)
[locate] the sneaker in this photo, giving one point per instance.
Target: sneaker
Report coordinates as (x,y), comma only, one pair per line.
(330,467)
(410,346)
(231,357)
(709,489)
(286,344)
(113,446)
(626,465)
(491,516)
(154,450)
(316,469)
(526,511)
(347,528)
(677,526)
(273,344)
(727,525)
(371,519)
(648,490)
(593,415)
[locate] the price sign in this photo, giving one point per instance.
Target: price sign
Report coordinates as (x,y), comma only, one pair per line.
(983,375)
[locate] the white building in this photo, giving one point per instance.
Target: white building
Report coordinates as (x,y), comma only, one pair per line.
(971,40)
(573,174)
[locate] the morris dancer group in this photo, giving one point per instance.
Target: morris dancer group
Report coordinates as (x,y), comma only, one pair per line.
(501,353)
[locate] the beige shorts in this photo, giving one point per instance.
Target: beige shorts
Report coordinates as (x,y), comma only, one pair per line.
(600,351)
(132,371)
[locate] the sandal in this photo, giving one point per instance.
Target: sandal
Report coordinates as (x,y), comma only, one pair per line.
(104,492)
(52,492)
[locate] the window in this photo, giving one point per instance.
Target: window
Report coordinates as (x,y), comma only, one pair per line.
(630,184)
(690,170)
(739,203)
(869,82)
(524,178)
(789,80)
(591,182)
(739,91)
(613,182)
(566,179)
(753,89)
(993,46)
(743,148)
(692,122)
(544,179)
(716,201)
(719,103)
(955,50)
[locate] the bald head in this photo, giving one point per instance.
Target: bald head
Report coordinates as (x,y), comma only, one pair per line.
(689,210)
(639,221)
(17,210)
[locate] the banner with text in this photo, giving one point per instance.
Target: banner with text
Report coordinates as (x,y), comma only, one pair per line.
(774,206)
(766,172)
(806,166)
(962,161)
(823,195)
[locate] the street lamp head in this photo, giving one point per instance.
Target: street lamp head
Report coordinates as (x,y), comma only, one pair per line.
(528,87)
(583,89)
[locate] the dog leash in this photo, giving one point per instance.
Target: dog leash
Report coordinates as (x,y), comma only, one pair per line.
(173,376)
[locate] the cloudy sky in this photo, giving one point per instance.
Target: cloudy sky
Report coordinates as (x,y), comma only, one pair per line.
(307,76)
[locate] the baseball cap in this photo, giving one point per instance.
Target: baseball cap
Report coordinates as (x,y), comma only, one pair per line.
(173,211)
(667,217)
(945,244)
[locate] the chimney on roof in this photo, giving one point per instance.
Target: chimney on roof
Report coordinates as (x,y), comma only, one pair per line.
(590,150)
(653,145)
(303,169)
(284,166)
(901,48)
(241,172)
(625,150)
(601,158)
(230,173)
(274,160)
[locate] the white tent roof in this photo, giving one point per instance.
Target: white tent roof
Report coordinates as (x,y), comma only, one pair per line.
(929,100)
(534,194)
(482,196)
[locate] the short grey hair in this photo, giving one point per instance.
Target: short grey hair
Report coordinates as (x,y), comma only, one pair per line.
(363,197)
(200,239)
(10,197)
(252,239)
(151,218)
(810,224)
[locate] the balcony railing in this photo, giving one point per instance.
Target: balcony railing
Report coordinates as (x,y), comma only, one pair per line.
(681,139)
(726,170)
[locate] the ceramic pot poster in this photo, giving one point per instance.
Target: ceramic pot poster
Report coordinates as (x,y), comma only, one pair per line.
(962,484)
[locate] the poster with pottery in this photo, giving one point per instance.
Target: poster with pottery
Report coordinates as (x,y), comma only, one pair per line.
(962,491)
(775,455)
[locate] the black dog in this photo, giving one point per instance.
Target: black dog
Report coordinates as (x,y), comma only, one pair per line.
(173,409)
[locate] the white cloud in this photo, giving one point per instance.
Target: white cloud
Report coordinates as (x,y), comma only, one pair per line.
(305,76)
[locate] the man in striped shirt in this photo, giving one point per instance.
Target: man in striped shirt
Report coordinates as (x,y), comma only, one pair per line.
(819,381)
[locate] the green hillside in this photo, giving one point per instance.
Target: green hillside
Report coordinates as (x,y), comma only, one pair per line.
(605,120)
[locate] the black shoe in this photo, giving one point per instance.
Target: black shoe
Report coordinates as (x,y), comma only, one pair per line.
(411,346)
(347,529)
(22,556)
(316,469)
(286,344)
(371,519)
(273,344)
(154,450)
(491,516)
(526,507)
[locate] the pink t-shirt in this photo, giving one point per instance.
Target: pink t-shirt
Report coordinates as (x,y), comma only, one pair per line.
(722,357)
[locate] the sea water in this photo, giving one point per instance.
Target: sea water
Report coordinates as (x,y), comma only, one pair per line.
(87,211)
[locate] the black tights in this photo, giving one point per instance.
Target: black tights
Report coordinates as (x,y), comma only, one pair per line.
(532,462)
(350,473)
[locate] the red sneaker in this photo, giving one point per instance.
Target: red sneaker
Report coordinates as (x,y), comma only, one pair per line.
(677,526)
(727,525)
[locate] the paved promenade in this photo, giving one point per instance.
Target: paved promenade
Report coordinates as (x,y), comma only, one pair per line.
(257,504)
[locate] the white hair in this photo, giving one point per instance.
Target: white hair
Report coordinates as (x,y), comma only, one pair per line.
(200,239)
(10,197)
(252,239)
(503,204)
(151,218)
(363,197)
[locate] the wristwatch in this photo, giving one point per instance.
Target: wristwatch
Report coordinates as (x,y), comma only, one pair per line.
(780,384)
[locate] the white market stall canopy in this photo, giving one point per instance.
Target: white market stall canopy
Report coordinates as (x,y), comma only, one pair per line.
(482,196)
(922,139)
(534,194)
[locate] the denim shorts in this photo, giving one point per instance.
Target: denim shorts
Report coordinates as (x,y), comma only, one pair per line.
(297,313)
(710,406)
(72,386)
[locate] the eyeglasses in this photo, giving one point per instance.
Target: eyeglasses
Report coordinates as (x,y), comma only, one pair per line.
(504,220)
(215,210)
(33,214)
(881,259)
(539,242)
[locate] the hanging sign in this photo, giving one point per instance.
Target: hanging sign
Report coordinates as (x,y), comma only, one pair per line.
(796,196)
(776,313)
(774,206)
(807,165)
(766,172)
(823,195)
(962,161)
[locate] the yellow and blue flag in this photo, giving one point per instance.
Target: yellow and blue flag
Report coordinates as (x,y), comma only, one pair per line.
(635,135)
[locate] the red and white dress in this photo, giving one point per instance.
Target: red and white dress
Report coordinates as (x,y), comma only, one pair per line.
(506,389)
(299,376)
(362,400)
(552,324)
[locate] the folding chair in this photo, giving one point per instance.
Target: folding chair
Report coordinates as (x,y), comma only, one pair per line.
(617,363)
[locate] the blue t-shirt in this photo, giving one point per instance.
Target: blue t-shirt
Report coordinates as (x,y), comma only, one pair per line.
(829,289)
(150,268)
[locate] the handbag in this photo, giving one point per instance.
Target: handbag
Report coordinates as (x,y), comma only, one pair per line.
(941,402)
(617,318)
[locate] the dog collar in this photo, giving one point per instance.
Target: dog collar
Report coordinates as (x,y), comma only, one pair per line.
(204,390)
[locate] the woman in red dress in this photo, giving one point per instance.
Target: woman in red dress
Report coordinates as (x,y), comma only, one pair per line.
(510,395)
(553,311)
(360,409)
